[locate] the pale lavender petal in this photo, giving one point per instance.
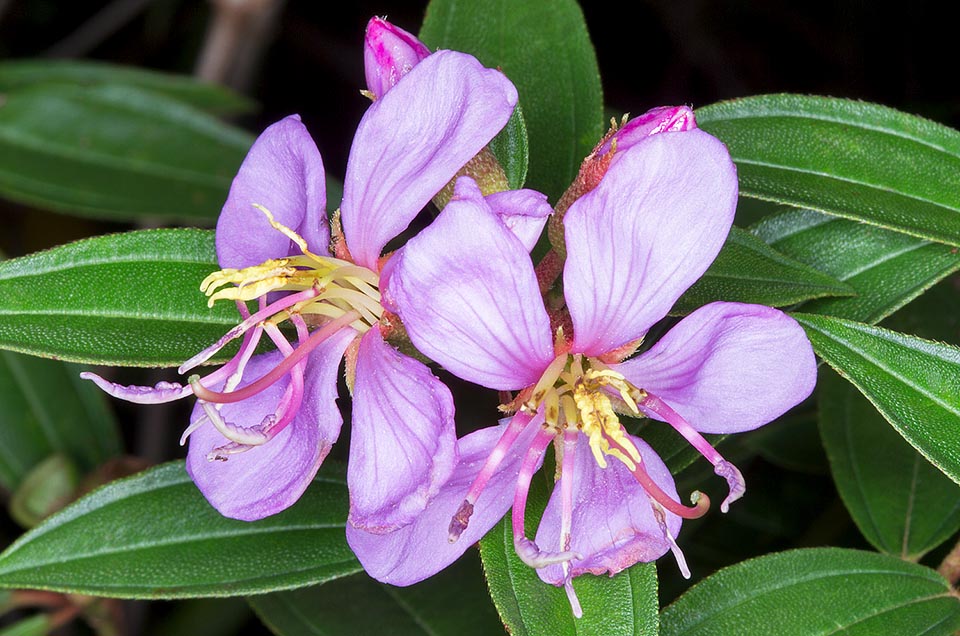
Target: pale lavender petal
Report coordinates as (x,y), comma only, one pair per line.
(653,122)
(389,53)
(402,441)
(467,294)
(269,478)
(421,549)
(413,140)
(644,235)
(283,173)
(525,212)
(613,524)
(728,367)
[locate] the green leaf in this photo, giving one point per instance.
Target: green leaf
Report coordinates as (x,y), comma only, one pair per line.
(154,536)
(121,299)
(747,270)
(902,504)
(846,158)
(510,149)
(451,603)
(886,269)
(47,408)
(36,625)
(914,383)
(817,592)
(115,152)
(19,74)
(544,48)
(624,604)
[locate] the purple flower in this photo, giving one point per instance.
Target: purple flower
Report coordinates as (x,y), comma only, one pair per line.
(635,242)
(272,418)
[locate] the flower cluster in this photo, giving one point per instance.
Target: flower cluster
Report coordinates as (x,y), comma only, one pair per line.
(646,216)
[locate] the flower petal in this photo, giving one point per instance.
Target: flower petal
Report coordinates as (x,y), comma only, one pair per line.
(421,549)
(467,294)
(269,478)
(728,367)
(282,172)
(613,525)
(403,441)
(413,140)
(645,234)
(524,212)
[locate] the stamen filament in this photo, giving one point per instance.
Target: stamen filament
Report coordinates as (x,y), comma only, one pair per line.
(700,500)
(735,482)
(315,340)
(527,550)
(462,517)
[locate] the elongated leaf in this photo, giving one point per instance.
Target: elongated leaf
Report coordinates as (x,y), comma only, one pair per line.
(45,408)
(624,604)
(902,504)
(451,603)
(544,48)
(36,625)
(511,150)
(747,270)
(814,593)
(115,152)
(845,158)
(914,383)
(128,299)
(154,536)
(886,269)
(18,74)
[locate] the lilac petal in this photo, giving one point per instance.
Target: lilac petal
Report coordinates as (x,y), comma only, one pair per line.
(645,234)
(613,524)
(421,549)
(413,140)
(283,173)
(389,53)
(525,212)
(403,441)
(269,478)
(467,294)
(728,367)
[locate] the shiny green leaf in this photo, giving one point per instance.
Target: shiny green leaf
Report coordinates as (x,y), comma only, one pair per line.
(886,269)
(914,383)
(817,592)
(624,604)
(116,152)
(451,603)
(511,150)
(845,158)
(747,270)
(902,504)
(154,536)
(44,408)
(544,48)
(19,74)
(123,299)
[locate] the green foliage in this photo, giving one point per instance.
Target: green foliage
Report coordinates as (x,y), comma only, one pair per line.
(747,270)
(845,158)
(817,591)
(154,536)
(124,299)
(885,269)
(115,152)
(544,48)
(914,383)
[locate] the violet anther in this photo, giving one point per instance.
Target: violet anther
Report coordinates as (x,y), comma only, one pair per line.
(634,244)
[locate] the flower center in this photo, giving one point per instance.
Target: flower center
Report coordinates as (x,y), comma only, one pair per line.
(583,393)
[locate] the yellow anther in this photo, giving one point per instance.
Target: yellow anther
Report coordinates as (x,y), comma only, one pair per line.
(290,234)
(600,421)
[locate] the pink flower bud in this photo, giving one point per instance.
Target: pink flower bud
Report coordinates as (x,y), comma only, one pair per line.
(389,53)
(655,120)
